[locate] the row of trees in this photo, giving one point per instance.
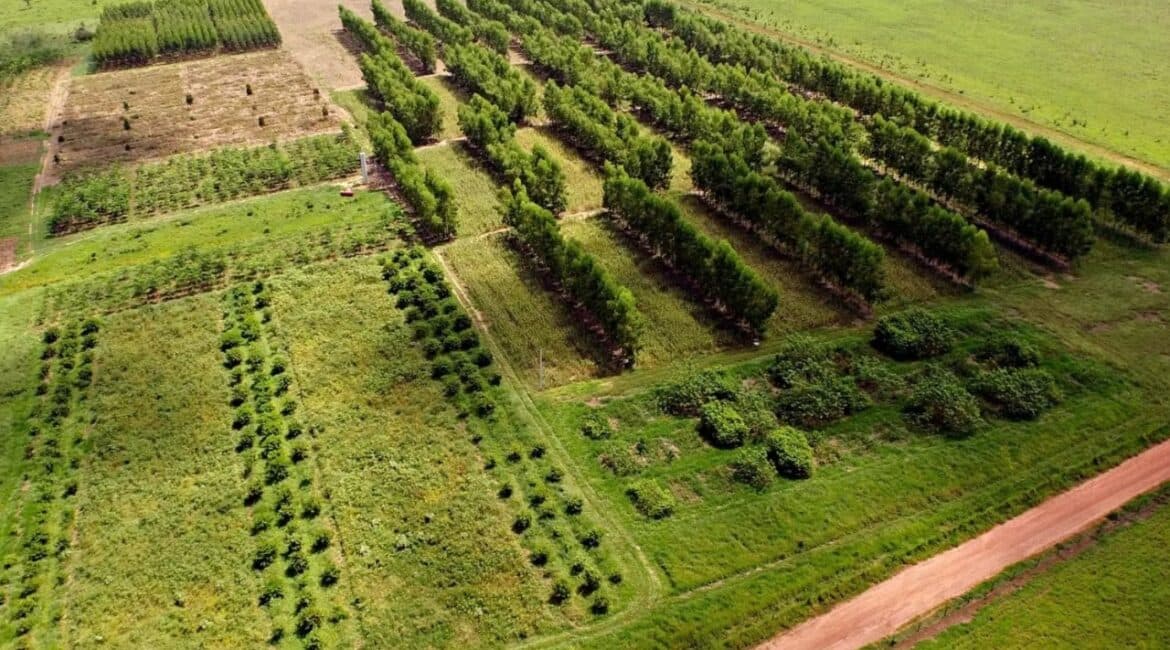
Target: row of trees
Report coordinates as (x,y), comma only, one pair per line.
(491,33)
(842,258)
(715,269)
(136,33)
(1134,200)
(449,32)
(1049,219)
(416,42)
(493,135)
(575,272)
(482,71)
(412,103)
(430,197)
(592,126)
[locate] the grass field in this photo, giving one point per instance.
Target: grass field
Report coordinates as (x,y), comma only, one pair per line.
(52,15)
(478,206)
(1088,69)
(450,96)
(16,183)
(1112,595)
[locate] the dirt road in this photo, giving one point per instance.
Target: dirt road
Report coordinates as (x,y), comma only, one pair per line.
(920,589)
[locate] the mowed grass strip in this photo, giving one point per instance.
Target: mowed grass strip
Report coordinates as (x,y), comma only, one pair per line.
(429,553)
(582,181)
(163,549)
(540,338)
(475,189)
(450,96)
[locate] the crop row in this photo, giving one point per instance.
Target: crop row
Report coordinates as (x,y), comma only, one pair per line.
(136,34)
(416,43)
(292,537)
(482,71)
(491,33)
(186,181)
(44,526)
(561,543)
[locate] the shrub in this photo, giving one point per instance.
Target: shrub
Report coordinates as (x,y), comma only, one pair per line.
(1020,394)
(596,427)
(752,467)
(618,459)
(599,606)
(755,406)
(801,360)
(560,592)
(912,334)
(521,524)
(651,499)
(264,556)
(591,539)
(574,505)
(790,453)
(330,575)
(722,425)
(939,403)
(1006,351)
(686,397)
(818,404)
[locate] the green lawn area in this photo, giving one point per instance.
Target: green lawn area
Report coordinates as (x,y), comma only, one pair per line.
(1086,68)
(53,15)
(16,183)
(1113,595)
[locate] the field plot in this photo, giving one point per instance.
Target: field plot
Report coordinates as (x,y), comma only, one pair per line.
(429,553)
(312,34)
(162,548)
(478,207)
(450,96)
(142,114)
(583,191)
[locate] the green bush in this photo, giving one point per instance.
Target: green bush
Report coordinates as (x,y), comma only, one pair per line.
(1020,394)
(941,404)
(801,360)
(722,425)
(686,397)
(595,427)
(651,499)
(752,467)
(790,453)
(756,408)
(822,403)
(913,334)
(1007,351)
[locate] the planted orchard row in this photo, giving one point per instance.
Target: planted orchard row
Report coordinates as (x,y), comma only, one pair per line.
(417,43)
(44,525)
(493,136)
(561,543)
(491,33)
(138,33)
(1132,199)
(187,181)
(442,29)
(292,548)
(479,70)
(414,105)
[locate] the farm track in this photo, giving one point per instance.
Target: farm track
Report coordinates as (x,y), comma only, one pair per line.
(948,96)
(920,589)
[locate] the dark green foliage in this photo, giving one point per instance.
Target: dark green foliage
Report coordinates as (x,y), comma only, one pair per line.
(941,404)
(418,43)
(816,404)
(1008,351)
(651,499)
(688,395)
(753,467)
(484,72)
(595,427)
(430,197)
(1020,394)
(801,360)
(913,334)
(722,425)
(790,453)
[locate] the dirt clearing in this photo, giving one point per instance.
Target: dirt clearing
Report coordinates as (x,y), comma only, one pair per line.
(918,590)
(312,34)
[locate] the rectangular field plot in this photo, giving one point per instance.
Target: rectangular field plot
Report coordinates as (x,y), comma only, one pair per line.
(154,112)
(163,546)
(475,189)
(582,181)
(676,327)
(450,96)
(430,556)
(519,312)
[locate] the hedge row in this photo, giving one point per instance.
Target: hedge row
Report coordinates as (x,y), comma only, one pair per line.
(575,272)
(490,133)
(491,33)
(136,33)
(449,32)
(418,43)
(482,71)
(714,268)
(430,197)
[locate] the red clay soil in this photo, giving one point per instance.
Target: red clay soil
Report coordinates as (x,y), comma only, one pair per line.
(918,590)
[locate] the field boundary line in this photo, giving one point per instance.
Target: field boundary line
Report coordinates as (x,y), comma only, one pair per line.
(922,588)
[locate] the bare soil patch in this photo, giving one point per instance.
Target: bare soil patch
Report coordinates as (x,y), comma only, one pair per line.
(142,114)
(22,103)
(312,34)
(7,253)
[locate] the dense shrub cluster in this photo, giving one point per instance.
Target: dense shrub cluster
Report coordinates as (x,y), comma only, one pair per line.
(1019,394)
(190,180)
(442,329)
(491,33)
(430,197)
(584,282)
(493,136)
(412,103)
(940,403)
(449,32)
(687,396)
(790,453)
(715,269)
(482,71)
(604,135)
(417,43)
(913,334)
(651,499)
(722,425)
(136,33)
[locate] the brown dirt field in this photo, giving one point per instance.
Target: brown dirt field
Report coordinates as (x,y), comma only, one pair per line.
(311,33)
(153,101)
(919,590)
(19,151)
(23,104)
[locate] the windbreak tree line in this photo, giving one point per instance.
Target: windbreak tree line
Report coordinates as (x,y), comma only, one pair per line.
(447,31)
(492,135)
(575,273)
(479,70)
(430,197)
(491,33)
(413,105)
(136,33)
(1133,200)
(713,268)
(416,42)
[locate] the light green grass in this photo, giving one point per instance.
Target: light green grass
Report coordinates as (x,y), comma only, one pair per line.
(519,312)
(475,189)
(450,96)
(51,15)
(1113,595)
(1096,63)
(16,183)
(163,536)
(429,553)
(582,181)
